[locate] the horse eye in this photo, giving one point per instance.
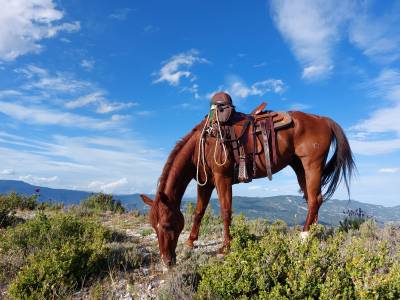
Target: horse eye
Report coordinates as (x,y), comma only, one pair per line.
(167,227)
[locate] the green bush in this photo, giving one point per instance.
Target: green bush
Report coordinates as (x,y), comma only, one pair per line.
(21,202)
(103,202)
(7,217)
(280,265)
(47,256)
(353,219)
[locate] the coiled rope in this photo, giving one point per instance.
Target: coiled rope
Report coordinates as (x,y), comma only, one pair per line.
(201,152)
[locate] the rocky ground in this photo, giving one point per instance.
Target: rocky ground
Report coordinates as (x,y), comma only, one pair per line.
(151,276)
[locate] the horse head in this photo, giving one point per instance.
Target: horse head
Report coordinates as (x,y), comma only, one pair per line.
(168,222)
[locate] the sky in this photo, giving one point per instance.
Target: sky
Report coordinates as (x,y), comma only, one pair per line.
(95,94)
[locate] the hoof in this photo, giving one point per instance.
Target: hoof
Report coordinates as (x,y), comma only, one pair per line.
(189,244)
(223,250)
(304,235)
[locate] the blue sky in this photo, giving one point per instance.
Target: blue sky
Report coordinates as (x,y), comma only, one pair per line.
(93,95)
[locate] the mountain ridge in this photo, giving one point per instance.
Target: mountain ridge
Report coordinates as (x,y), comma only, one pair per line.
(290,208)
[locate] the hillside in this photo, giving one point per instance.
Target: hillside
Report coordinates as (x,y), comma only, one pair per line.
(78,253)
(289,208)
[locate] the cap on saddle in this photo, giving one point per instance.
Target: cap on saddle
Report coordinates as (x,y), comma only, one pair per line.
(222,106)
(221,98)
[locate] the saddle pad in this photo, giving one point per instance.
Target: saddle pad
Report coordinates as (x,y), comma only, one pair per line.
(280,118)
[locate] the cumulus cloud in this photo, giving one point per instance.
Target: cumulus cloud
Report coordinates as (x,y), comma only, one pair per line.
(99,100)
(385,120)
(311,28)
(178,67)
(378,37)
(7,172)
(119,164)
(109,187)
(41,79)
(240,89)
(45,116)
(37,179)
(88,64)
(121,14)
(23,24)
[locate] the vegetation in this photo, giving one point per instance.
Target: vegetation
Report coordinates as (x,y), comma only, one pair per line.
(353,219)
(329,265)
(103,202)
(47,256)
(84,253)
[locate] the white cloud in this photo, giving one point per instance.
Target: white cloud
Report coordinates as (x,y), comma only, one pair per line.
(389,170)
(109,187)
(374,147)
(311,28)
(23,24)
(177,67)
(7,172)
(377,37)
(380,132)
(299,106)
(121,14)
(88,64)
(44,116)
(98,98)
(384,120)
(80,160)
(40,79)
(38,180)
(238,88)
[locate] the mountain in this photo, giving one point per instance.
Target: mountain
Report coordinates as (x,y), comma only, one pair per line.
(289,208)
(68,197)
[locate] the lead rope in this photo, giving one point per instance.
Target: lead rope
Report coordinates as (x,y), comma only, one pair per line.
(220,138)
(201,151)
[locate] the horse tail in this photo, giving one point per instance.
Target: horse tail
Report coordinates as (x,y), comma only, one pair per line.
(341,165)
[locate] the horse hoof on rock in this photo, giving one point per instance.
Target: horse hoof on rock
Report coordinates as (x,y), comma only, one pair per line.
(189,244)
(304,235)
(223,250)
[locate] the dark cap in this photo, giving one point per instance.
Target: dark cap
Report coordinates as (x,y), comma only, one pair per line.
(221,98)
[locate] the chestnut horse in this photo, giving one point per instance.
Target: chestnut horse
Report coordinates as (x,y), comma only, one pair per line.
(304,146)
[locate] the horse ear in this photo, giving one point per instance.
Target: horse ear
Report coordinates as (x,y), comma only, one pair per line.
(147,200)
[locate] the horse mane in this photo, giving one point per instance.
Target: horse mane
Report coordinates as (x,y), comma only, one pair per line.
(178,147)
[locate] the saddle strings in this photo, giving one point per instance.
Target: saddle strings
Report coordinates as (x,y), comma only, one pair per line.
(220,138)
(201,153)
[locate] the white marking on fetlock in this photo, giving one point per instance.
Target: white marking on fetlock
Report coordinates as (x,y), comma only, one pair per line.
(304,235)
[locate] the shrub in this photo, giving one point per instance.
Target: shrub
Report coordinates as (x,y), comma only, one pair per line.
(6,213)
(353,219)
(103,202)
(329,265)
(21,202)
(51,255)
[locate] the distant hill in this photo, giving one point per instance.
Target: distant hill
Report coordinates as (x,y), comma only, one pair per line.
(291,209)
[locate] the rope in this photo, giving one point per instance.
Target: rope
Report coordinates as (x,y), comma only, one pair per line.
(201,151)
(220,138)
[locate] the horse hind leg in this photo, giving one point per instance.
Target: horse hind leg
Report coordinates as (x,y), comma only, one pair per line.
(313,174)
(297,167)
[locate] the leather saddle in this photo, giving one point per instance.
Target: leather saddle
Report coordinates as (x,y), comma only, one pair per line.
(249,135)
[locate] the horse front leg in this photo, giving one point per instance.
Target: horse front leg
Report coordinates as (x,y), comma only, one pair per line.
(203,198)
(224,190)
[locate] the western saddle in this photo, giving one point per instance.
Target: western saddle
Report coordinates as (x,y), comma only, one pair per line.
(247,134)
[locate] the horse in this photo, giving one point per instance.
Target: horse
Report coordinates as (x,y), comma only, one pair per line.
(304,146)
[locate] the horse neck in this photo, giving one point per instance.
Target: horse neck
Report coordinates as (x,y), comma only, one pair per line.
(182,171)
